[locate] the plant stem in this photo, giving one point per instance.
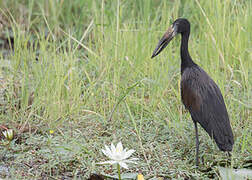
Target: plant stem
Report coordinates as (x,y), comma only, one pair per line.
(119,172)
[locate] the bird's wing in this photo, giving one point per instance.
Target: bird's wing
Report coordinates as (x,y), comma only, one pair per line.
(204,100)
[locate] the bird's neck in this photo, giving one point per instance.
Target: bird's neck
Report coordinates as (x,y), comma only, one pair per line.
(186,60)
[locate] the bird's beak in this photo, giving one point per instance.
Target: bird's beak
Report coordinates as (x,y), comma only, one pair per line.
(169,34)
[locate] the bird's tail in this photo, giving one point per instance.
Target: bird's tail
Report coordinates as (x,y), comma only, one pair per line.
(223,138)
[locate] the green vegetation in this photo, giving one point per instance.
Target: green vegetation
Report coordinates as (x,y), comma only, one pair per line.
(73,63)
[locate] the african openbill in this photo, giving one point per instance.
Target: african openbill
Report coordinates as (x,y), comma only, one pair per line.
(200,94)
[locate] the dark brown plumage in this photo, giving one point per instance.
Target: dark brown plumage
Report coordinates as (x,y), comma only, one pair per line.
(199,93)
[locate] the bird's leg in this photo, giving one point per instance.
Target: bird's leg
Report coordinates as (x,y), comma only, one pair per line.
(229,159)
(229,154)
(197,144)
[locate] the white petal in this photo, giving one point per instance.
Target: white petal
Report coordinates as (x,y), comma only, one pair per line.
(108,151)
(130,161)
(113,149)
(105,152)
(123,164)
(119,147)
(133,159)
(129,153)
(108,162)
(107,148)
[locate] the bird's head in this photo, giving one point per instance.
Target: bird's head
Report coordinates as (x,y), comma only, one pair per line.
(181,25)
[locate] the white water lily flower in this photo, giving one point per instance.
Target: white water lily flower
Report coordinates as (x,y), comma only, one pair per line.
(118,155)
(8,134)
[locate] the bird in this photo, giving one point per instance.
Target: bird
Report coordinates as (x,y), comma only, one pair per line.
(199,93)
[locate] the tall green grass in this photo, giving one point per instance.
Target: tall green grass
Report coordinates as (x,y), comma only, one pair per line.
(75,58)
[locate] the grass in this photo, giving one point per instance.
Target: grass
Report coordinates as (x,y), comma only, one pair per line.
(74,63)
